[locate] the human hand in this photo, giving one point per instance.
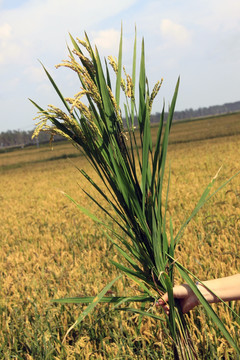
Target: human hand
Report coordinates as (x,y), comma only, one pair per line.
(226,288)
(186,296)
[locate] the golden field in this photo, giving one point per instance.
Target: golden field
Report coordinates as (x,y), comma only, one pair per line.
(51,250)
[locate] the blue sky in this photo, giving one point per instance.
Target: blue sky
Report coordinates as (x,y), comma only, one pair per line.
(198,40)
(11,4)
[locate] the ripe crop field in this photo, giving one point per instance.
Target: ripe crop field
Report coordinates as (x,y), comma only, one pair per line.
(50,250)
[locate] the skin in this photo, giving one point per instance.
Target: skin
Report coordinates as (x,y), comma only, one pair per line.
(227,288)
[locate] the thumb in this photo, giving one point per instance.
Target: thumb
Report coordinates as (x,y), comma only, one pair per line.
(163,299)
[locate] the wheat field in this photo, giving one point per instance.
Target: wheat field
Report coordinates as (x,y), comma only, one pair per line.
(50,250)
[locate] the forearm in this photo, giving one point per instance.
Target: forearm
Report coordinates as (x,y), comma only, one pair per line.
(227,288)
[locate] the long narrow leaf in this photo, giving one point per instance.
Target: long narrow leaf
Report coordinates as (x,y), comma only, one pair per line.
(104,299)
(143,313)
(204,198)
(119,72)
(207,307)
(56,88)
(134,77)
(92,305)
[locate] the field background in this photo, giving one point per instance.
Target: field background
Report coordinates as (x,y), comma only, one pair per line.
(50,250)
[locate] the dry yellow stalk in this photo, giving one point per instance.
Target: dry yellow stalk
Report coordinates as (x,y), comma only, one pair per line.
(58,114)
(154,93)
(84,110)
(86,60)
(116,107)
(84,44)
(130,87)
(113,63)
(89,84)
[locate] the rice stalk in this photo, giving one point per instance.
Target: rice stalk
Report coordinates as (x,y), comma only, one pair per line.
(133,172)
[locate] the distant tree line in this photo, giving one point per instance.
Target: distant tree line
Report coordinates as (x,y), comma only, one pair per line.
(201,112)
(20,138)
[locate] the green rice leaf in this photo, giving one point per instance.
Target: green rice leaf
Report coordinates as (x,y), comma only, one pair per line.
(133,174)
(138,274)
(145,157)
(56,88)
(211,313)
(134,77)
(199,205)
(92,305)
(108,75)
(162,159)
(143,313)
(119,72)
(96,219)
(157,245)
(223,185)
(109,117)
(143,285)
(172,315)
(142,92)
(157,152)
(171,251)
(104,299)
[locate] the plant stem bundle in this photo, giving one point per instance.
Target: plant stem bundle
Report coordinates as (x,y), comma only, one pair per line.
(118,143)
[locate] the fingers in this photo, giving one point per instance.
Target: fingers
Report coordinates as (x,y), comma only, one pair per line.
(163,303)
(164,306)
(164,298)
(184,294)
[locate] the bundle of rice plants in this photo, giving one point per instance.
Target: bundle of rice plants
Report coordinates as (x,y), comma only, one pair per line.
(132,169)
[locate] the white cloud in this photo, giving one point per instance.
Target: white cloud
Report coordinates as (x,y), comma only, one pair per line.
(175,33)
(41,27)
(5,31)
(6,51)
(10,52)
(9,85)
(221,15)
(35,73)
(107,39)
(38,29)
